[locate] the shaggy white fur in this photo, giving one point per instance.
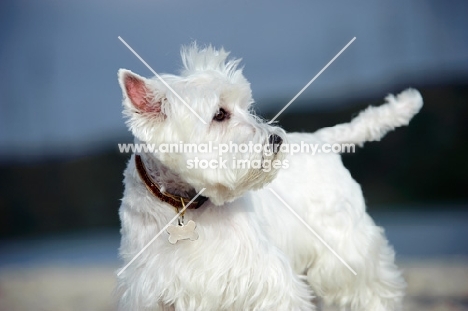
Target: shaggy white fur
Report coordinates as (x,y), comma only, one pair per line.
(252,252)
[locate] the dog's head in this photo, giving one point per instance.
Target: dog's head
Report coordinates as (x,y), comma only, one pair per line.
(202,125)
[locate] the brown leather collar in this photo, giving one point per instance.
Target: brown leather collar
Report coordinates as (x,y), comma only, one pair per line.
(171,199)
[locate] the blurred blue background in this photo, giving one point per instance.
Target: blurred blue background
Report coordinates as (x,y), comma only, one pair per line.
(60,108)
(59,59)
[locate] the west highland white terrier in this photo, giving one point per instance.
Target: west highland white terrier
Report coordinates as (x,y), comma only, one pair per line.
(272,229)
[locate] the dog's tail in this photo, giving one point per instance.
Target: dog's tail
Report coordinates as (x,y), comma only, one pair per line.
(373,123)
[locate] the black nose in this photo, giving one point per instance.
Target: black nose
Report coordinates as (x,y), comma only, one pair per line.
(276,142)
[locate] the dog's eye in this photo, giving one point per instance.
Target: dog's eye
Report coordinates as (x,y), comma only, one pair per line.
(220,115)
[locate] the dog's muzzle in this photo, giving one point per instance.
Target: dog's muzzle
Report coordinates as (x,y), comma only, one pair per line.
(275,142)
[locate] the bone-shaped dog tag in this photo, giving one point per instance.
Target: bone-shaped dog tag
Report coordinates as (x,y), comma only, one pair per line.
(182,232)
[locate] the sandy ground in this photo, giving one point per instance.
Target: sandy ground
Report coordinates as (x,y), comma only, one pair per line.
(433,285)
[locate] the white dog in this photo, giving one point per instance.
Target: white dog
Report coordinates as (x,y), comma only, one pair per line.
(240,246)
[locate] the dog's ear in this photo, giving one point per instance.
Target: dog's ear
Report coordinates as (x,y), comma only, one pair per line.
(138,90)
